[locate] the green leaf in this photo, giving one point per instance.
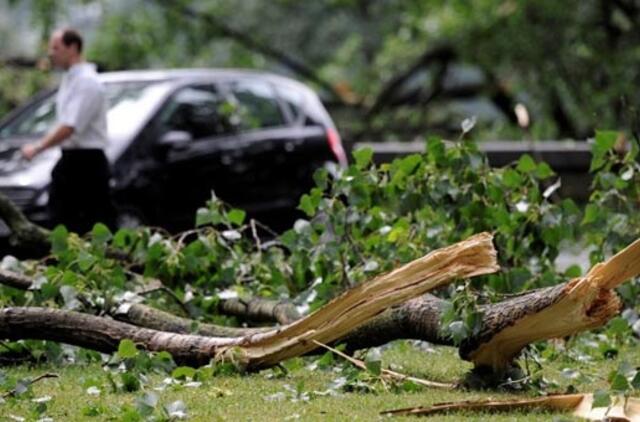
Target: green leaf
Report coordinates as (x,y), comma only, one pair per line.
(307,205)
(635,382)
(147,403)
(129,414)
(123,238)
(605,140)
(325,361)
(591,214)
(127,349)
(526,164)
(309,202)
(619,383)
(130,382)
(374,366)
(203,217)
(544,171)
(236,216)
(183,372)
(618,326)
(435,150)
(59,237)
(363,157)
(409,163)
(457,331)
(512,178)
(601,399)
(573,271)
(100,234)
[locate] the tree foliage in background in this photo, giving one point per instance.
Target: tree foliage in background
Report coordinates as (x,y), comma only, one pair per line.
(390,69)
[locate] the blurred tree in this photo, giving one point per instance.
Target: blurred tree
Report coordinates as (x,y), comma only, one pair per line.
(400,68)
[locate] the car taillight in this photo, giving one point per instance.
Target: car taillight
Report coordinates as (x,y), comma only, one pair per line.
(335,143)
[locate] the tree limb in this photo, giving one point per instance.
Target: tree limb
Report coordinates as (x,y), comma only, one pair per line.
(472,257)
(260,310)
(24,232)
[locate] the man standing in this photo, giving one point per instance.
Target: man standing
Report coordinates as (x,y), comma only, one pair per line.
(79,192)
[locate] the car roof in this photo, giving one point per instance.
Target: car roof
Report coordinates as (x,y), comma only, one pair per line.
(182,75)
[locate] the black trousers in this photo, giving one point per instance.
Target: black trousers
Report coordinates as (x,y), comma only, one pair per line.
(79,195)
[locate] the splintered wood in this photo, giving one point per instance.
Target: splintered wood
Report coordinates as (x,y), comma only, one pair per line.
(582,304)
(472,257)
(580,405)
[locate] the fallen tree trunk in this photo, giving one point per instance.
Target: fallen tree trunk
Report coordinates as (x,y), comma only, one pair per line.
(469,258)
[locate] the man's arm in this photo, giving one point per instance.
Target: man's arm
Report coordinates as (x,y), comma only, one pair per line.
(53,138)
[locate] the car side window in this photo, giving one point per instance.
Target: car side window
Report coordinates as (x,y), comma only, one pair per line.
(257,105)
(196,110)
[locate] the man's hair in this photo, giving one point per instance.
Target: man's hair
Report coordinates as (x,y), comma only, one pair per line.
(71,37)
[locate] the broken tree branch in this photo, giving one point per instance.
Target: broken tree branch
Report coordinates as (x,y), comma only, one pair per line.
(469,258)
(580,405)
(148,317)
(260,310)
(23,231)
(30,382)
(581,304)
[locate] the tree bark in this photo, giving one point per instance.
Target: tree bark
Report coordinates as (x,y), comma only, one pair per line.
(24,232)
(260,310)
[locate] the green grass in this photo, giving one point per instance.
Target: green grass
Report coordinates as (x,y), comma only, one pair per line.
(244,397)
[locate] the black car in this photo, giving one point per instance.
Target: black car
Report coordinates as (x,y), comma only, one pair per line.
(177,135)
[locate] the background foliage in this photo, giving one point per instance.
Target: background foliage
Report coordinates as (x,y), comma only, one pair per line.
(389,69)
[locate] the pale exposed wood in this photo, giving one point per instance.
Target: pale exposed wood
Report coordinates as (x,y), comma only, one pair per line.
(582,304)
(472,257)
(580,405)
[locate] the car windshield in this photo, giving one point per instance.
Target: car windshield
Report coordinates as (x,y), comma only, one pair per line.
(123,97)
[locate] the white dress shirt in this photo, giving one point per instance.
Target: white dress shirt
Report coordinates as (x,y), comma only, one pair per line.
(81,103)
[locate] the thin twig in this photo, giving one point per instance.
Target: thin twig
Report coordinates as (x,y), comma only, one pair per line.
(266,228)
(254,232)
(33,381)
(387,372)
(156,285)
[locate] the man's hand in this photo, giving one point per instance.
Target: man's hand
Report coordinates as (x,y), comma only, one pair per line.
(29,151)
(54,138)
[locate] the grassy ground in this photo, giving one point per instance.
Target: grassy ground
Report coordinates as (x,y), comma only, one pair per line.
(261,398)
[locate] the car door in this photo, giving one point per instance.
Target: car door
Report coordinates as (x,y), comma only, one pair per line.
(257,160)
(189,132)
